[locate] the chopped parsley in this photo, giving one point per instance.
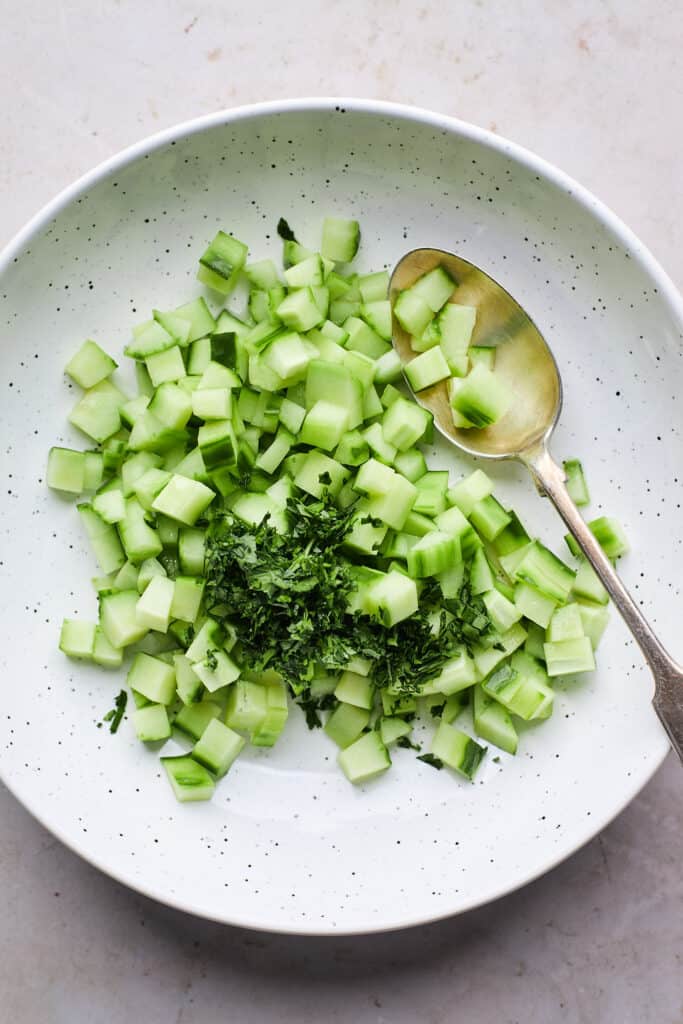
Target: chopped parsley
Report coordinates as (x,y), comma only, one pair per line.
(284,230)
(432,761)
(117,712)
(286,598)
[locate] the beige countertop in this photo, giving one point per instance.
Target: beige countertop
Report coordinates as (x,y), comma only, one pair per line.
(595,88)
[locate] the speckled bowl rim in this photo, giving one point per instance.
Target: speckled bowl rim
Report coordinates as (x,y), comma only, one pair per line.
(452,126)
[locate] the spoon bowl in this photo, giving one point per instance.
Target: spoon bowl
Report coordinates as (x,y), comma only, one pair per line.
(525,364)
(524,361)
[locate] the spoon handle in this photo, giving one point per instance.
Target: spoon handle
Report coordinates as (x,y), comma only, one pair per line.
(668,676)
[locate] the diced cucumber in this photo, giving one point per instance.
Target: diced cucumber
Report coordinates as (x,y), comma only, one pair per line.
(493,722)
(594,619)
(183,500)
(189,779)
(471,490)
(393,729)
(544,571)
(457,750)
(355,689)
(97,413)
(576,482)
(340,240)
(151,723)
(77,639)
(433,554)
(346,723)
(456,324)
(534,605)
(484,354)
(365,758)
(565,657)
(247,705)
(193,719)
(565,624)
(218,747)
(587,585)
(66,470)
(435,288)
(90,365)
(153,609)
(481,398)
(458,673)
(221,262)
(427,369)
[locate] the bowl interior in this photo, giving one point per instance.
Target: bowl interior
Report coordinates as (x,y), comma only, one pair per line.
(287,844)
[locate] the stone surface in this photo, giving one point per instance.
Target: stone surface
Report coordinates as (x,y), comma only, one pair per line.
(595,88)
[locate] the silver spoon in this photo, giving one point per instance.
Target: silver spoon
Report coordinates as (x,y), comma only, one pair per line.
(526,364)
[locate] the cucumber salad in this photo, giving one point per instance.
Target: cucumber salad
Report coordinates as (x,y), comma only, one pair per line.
(268,532)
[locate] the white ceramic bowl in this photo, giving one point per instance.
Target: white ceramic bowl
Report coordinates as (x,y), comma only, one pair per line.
(287,844)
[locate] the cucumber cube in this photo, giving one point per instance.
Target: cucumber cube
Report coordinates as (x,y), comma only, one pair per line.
(388,367)
(218,747)
(433,554)
(544,571)
(221,263)
(427,369)
(565,657)
(66,470)
(90,365)
(192,719)
(534,605)
(435,288)
(188,684)
(189,779)
(319,473)
(183,499)
(151,723)
(355,689)
(374,287)
(393,729)
(97,413)
(340,240)
(247,705)
(576,482)
(118,618)
(77,639)
(492,722)
(594,619)
(215,670)
(271,725)
(153,678)
(166,366)
(377,314)
(324,425)
(587,584)
(392,598)
(481,399)
(502,612)
(457,674)
(365,758)
(212,403)
(404,424)
(456,324)
(457,750)
(300,311)
(412,312)
(191,551)
(187,597)
(566,624)
(104,653)
(346,723)
(469,491)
